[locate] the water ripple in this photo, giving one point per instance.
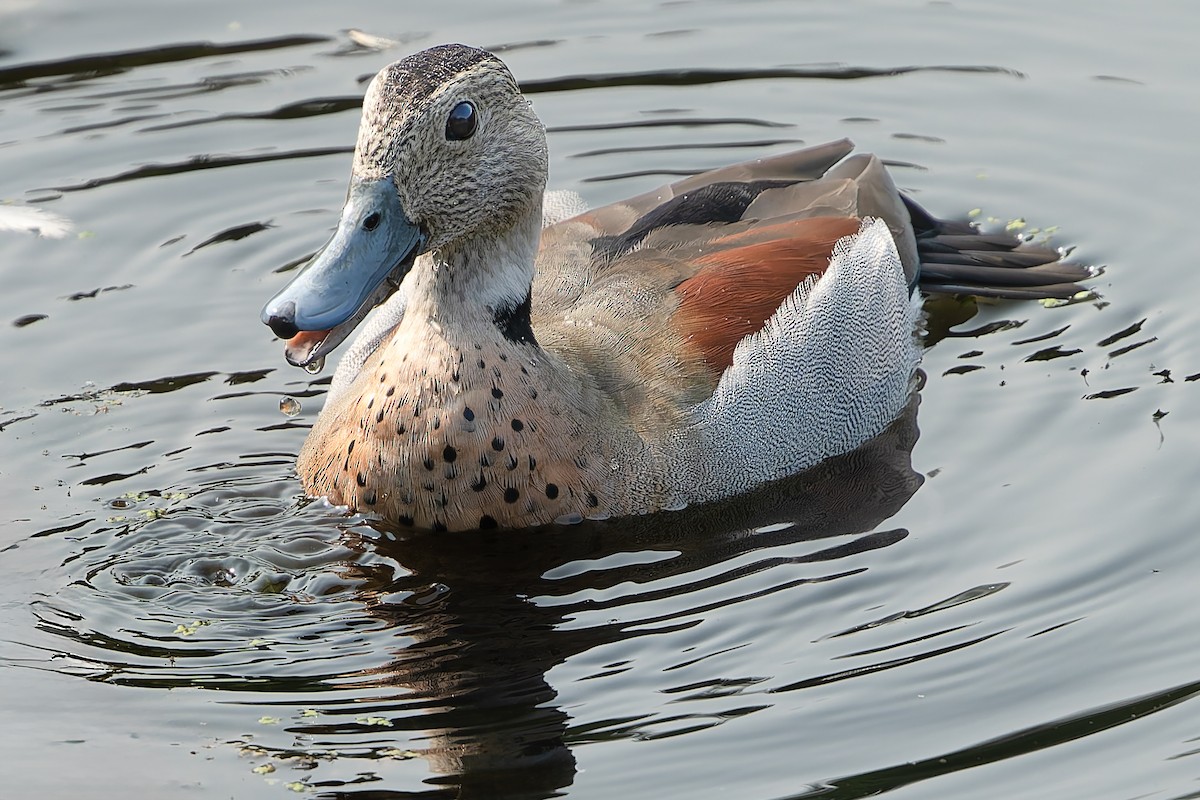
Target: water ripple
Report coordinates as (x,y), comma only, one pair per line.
(350,643)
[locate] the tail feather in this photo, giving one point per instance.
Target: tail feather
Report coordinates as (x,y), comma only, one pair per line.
(976,240)
(1055,291)
(1012,259)
(956,258)
(1007,275)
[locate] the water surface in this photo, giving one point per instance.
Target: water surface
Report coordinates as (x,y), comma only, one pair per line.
(994,599)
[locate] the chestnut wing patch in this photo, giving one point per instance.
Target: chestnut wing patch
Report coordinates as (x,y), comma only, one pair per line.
(739,286)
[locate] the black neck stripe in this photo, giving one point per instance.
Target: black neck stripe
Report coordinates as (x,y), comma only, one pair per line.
(513,321)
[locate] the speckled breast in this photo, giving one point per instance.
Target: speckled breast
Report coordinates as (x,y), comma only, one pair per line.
(467,437)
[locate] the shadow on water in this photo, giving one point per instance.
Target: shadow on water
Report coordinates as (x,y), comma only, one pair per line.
(445,641)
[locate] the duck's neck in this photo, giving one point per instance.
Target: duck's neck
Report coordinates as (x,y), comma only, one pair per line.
(484,278)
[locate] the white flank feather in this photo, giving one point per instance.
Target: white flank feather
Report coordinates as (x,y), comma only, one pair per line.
(829,370)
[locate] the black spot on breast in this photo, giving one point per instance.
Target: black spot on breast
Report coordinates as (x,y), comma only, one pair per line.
(437,423)
(497,392)
(511,495)
(592,501)
(391,391)
(400,429)
(482,363)
(350,447)
(468,414)
(551,491)
(369,497)
(487,522)
(533,394)
(428,462)
(454,376)
(383,377)
(497,444)
(518,426)
(511,463)
(479,483)
(449,454)
(379,417)
(485,460)
(532,463)
(360,479)
(370,402)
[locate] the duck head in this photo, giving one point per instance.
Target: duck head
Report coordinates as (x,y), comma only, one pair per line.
(450,160)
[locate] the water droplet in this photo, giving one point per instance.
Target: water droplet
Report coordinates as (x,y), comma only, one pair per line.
(315,366)
(289,406)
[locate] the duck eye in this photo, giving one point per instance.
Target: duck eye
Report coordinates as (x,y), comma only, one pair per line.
(462,122)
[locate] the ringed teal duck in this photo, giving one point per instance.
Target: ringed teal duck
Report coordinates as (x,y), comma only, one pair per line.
(682,346)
